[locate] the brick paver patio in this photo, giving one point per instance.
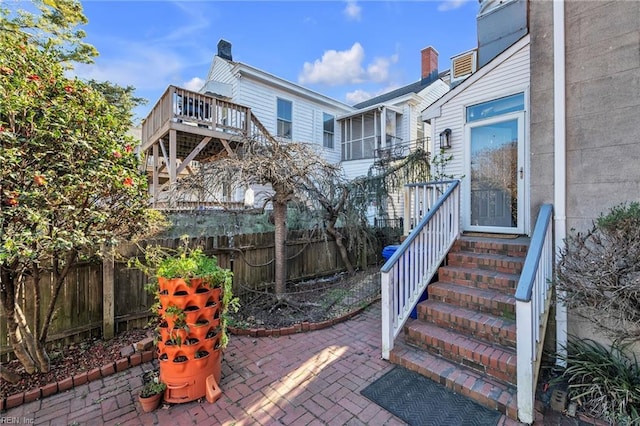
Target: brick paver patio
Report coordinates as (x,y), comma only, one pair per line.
(311,378)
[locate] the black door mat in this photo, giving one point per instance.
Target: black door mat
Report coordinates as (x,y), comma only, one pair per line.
(420,401)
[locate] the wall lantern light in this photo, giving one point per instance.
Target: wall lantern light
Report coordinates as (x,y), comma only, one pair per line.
(445,139)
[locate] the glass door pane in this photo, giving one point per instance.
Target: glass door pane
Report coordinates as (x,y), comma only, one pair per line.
(494,174)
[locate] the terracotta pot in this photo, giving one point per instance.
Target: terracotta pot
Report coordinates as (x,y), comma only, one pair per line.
(150,403)
(186,380)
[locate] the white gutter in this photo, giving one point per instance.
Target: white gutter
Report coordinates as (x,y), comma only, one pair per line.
(560,162)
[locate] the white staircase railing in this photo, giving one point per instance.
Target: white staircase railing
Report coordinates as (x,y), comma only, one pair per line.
(435,207)
(533,300)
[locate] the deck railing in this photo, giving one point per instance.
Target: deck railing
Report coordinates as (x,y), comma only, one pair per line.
(405,276)
(198,109)
(533,300)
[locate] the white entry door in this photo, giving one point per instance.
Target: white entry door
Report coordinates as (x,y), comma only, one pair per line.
(495,193)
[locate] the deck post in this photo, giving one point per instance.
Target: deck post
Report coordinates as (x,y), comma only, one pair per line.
(155,184)
(173,160)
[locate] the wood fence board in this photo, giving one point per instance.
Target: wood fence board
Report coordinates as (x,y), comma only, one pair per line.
(79,307)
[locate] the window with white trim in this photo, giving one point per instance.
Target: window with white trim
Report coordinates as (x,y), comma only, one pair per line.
(285,118)
(328,130)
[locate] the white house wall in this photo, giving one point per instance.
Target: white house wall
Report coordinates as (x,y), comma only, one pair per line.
(509,77)
(307,116)
(429,96)
(221,71)
(356,168)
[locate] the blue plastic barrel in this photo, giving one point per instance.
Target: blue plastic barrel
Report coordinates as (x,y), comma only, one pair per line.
(387,252)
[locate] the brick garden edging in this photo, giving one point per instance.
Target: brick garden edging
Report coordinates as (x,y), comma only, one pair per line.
(296,328)
(137,354)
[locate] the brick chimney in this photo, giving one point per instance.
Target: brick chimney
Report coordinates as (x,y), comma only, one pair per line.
(429,63)
(224,50)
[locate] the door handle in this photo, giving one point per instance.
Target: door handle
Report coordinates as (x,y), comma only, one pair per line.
(521,172)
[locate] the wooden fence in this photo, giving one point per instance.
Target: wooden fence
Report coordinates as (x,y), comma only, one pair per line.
(106,298)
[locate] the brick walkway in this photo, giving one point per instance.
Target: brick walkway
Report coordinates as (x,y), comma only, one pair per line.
(312,378)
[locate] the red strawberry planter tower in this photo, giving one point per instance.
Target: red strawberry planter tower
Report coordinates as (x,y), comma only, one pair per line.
(194,294)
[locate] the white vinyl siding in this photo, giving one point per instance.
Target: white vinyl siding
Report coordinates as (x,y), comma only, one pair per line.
(307,116)
(508,78)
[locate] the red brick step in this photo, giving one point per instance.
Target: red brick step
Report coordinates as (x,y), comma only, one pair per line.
(515,248)
(491,359)
(485,390)
(493,329)
(492,262)
(479,278)
(483,300)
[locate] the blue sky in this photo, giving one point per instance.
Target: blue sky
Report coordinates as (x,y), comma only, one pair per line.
(349,50)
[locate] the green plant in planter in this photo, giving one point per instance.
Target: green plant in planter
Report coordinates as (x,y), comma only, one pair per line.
(174,311)
(189,263)
(152,387)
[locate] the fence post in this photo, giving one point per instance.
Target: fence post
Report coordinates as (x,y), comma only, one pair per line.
(108,293)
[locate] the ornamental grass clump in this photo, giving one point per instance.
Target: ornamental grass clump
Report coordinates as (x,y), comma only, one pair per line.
(604,381)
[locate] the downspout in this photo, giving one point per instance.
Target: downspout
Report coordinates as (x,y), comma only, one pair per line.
(560,162)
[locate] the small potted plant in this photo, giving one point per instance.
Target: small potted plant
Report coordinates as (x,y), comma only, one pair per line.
(151,393)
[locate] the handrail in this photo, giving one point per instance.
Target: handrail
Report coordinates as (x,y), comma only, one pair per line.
(405,276)
(533,301)
(531,262)
(412,236)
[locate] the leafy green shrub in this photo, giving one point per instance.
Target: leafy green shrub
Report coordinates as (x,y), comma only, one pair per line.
(620,217)
(604,381)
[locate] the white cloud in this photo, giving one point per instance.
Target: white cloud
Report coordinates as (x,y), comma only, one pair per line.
(142,68)
(155,59)
(378,71)
(447,5)
(194,84)
(346,67)
(357,96)
(352,11)
(335,67)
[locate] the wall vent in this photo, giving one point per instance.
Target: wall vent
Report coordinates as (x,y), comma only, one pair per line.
(463,65)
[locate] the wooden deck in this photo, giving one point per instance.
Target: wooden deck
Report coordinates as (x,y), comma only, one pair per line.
(186,128)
